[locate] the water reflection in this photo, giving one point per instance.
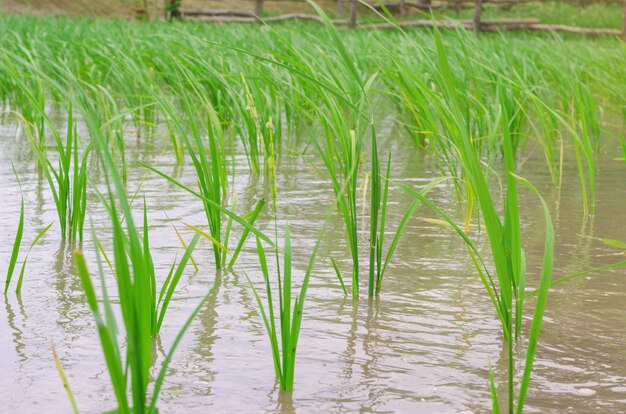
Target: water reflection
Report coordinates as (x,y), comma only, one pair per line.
(17,334)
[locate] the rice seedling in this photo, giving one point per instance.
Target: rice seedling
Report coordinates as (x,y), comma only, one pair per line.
(284,338)
(67,182)
(20,279)
(18,237)
(135,369)
(134,267)
(504,234)
(142,311)
(17,244)
(209,162)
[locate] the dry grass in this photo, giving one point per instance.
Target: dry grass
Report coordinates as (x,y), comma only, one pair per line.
(108,8)
(126,8)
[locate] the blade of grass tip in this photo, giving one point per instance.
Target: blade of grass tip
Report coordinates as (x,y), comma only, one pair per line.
(18,288)
(161,376)
(206,236)
(615,243)
(181,240)
(18,237)
(544,286)
(575,275)
(66,384)
(104,254)
(338,273)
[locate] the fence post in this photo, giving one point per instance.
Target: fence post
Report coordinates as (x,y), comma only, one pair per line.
(352,20)
(171,9)
(258,7)
(339,8)
(478,10)
(624,24)
(402,8)
(141,10)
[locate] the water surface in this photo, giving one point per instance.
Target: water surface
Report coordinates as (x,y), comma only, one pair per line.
(426,345)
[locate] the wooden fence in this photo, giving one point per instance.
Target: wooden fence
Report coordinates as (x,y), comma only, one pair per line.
(399,7)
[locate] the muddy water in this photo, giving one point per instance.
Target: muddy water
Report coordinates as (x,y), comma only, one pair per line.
(426,345)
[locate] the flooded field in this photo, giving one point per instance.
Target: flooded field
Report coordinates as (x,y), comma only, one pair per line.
(300,218)
(425,345)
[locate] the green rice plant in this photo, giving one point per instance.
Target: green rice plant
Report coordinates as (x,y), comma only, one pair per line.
(208,159)
(133,259)
(507,296)
(135,368)
(283,329)
(211,173)
(71,178)
(17,244)
(20,280)
(247,222)
(344,122)
(342,161)
(18,237)
(378,218)
(507,290)
(141,310)
(67,181)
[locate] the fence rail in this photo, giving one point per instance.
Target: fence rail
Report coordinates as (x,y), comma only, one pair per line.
(400,7)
